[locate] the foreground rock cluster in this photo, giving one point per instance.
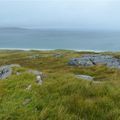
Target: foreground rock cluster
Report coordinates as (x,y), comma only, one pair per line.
(6,71)
(95,59)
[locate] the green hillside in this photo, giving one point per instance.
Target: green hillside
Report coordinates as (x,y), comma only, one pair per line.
(62,96)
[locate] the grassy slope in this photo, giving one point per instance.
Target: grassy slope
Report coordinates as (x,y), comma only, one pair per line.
(62,96)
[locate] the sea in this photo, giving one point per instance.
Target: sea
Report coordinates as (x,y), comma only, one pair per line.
(50,39)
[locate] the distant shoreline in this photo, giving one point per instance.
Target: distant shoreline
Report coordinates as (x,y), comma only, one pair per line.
(35,49)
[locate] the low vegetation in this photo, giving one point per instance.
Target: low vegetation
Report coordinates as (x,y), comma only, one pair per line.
(62,96)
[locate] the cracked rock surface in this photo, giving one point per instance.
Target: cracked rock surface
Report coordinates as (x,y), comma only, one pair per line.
(95,59)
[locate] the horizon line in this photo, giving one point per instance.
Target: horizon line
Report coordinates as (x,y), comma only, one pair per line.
(58,28)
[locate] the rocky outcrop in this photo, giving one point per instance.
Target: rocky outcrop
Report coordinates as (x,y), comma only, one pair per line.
(58,55)
(35,56)
(6,71)
(95,59)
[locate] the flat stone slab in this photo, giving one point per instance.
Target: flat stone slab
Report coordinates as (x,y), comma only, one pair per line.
(35,72)
(95,59)
(85,77)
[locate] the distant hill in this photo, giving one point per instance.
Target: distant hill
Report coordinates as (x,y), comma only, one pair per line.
(12,29)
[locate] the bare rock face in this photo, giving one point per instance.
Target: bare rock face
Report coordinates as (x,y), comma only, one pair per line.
(95,59)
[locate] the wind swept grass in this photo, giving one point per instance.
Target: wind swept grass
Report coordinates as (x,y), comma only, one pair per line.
(62,96)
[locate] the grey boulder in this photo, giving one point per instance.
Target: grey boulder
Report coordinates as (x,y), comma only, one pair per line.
(95,59)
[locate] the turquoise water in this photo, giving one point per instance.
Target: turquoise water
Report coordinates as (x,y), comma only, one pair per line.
(60,39)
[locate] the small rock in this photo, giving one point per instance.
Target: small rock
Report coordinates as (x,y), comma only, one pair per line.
(35,72)
(35,56)
(38,79)
(18,73)
(29,87)
(27,101)
(57,55)
(39,76)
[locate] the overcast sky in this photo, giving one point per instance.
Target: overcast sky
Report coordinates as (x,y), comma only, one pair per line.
(80,14)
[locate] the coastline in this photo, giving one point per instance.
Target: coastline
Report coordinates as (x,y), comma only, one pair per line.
(35,49)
